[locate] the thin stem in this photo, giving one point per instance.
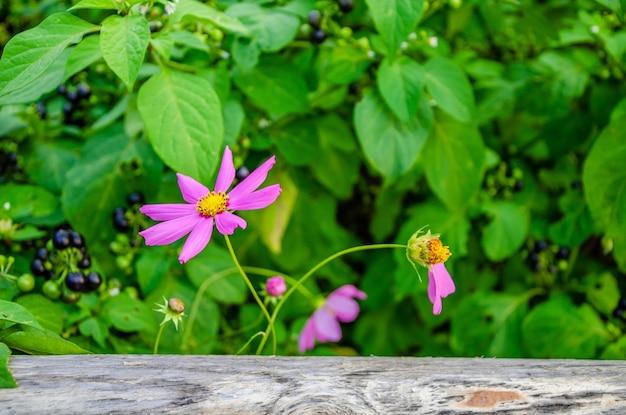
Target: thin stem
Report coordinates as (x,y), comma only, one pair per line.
(158,339)
(270,273)
(270,327)
(314,269)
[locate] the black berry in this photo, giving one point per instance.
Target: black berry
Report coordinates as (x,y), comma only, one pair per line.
(540,246)
(84,262)
(562,253)
(120,221)
(62,90)
(76,239)
(83,91)
(93,281)
(346,6)
(72,96)
(61,239)
(315,19)
(37,267)
(241,173)
(577,185)
(518,186)
(135,198)
(75,281)
(42,254)
(41,109)
(318,36)
(68,108)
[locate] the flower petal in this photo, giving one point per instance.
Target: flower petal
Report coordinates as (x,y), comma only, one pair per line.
(226,174)
(227,222)
(327,327)
(445,284)
(197,239)
(306,341)
(345,308)
(349,290)
(167,211)
(169,231)
(255,200)
(432,286)
(254,180)
(191,189)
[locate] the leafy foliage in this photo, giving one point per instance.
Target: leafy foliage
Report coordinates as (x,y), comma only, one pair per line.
(497,124)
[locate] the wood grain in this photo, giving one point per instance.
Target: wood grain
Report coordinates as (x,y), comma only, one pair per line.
(138,384)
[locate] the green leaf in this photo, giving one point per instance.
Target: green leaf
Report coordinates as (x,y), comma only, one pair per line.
(400,83)
(49,161)
(341,65)
(129,315)
(496,325)
(558,328)
(617,6)
(82,55)
(151,266)
(234,116)
(36,341)
(95,329)
(274,85)
(450,88)
(15,313)
(271,29)
(453,158)
(123,41)
(10,120)
(226,288)
(602,292)
(297,142)
(506,231)
(29,54)
(96,4)
(391,146)
(27,201)
(275,218)
(395,19)
(47,313)
(246,53)
(6,379)
(183,118)
(194,11)
(604,179)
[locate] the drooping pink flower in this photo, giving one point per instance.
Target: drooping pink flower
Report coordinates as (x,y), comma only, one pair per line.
(323,325)
(275,286)
(205,207)
(440,285)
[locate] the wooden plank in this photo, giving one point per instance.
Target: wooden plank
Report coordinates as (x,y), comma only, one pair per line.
(139,384)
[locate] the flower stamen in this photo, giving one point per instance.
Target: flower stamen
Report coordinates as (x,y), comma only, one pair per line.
(437,252)
(212,204)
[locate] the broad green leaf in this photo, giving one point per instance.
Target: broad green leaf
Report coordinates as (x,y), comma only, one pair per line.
(183,118)
(602,291)
(453,158)
(194,11)
(395,19)
(29,54)
(95,329)
(496,325)
(558,328)
(506,231)
(123,41)
(234,117)
(163,45)
(576,225)
(226,288)
(6,379)
(36,341)
(188,39)
(391,146)
(276,216)
(47,313)
(400,82)
(274,85)
(617,6)
(10,120)
(450,88)
(128,315)
(15,313)
(49,161)
(271,29)
(341,65)
(28,233)
(246,53)
(82,55)
(298,142)
(27,201)
(96,4)
(604,178)
(151,266)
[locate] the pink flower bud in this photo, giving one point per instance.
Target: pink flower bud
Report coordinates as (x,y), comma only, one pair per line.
(275,286)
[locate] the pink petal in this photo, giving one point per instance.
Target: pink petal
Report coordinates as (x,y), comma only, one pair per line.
(227,222)
(191,189)
(172,230)
(167,211)
(445,284)
(255,200)
(432,286)
(306,341)
(226,174)
(327,327)
(349,290)
(345,309)
(197,239)
(254,179)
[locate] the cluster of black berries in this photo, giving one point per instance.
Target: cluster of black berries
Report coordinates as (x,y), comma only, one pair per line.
(126,221)
(318,35)
(121,221)
(9,163)
(74,95)
(65,259)
(547,257)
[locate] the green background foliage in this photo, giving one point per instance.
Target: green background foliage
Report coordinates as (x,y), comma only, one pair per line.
(497,123)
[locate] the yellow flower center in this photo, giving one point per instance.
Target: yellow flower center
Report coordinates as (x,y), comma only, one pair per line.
(212,204)
(437,252)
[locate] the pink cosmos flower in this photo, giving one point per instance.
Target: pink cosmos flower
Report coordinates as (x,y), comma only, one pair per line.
(440,285)
(275,286)
(323,325)
(205,207)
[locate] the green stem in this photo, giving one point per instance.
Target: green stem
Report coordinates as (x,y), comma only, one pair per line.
(271,273)
(313,270)
(270,327)
(158,339)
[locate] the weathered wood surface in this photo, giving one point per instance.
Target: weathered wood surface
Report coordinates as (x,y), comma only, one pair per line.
(139,384)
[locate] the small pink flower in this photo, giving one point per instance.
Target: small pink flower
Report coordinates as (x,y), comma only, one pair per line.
(323,325)
(275,286)
(204,207)
(440,285)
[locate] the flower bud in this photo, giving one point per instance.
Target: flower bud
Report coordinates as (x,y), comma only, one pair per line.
(275,286)
(426,249)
